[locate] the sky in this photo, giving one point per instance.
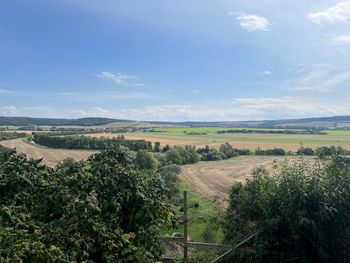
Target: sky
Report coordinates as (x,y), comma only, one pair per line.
(198,60)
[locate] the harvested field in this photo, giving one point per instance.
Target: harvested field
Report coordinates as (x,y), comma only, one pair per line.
(51,157)
(213,179)
(246,141)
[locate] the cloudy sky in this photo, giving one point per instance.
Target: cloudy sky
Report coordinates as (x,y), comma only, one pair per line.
(175,60)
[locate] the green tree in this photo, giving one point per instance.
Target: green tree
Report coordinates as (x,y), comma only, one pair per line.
(157,147)
(302,210)
(145,160)
(99,210)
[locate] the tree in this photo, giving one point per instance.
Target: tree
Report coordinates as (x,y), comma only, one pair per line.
(302,210)
(145,160)
(228,150)
(173,156)
(157,147)
(99,210)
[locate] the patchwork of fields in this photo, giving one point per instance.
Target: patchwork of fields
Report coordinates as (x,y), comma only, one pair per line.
(209,179)
(208,136)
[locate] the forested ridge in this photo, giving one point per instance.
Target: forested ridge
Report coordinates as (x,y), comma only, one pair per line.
(27,121)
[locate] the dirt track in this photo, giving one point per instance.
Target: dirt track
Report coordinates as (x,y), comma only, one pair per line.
(50,156)
(213,179)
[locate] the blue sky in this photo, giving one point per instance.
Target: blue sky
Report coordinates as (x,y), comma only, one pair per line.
(175,60)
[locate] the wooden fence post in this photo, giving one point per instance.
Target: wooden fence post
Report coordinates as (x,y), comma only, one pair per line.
(185,220)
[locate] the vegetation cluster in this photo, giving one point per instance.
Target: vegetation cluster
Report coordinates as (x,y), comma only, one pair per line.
(301,210)
(11,135)
(88,143)
(105,209)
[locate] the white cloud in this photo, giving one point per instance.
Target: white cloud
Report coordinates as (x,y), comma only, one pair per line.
(104,96)
(4,92)
(252,22)
(343,39)
(237,109)
(36,111)
(120,78)
(267,73)
(307,88)
(9,111)
(289,107)
(320,77)
(338,13)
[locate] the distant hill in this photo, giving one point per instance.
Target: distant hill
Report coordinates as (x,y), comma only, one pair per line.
(305,123)
(27,121)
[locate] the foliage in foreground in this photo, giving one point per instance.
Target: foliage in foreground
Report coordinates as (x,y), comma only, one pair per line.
(101,210)
(11,135)
(301,210)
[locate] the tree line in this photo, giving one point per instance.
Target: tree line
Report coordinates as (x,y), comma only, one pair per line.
(88,143)
(177,154)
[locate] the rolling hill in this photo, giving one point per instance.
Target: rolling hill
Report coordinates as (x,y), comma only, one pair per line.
(27,121)
(305,123)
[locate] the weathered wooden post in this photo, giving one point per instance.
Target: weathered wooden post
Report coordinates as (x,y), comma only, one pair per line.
(185,220)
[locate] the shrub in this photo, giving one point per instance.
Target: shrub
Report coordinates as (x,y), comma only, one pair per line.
(100,210)
(302,210)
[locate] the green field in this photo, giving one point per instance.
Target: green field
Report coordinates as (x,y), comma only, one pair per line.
(183,135)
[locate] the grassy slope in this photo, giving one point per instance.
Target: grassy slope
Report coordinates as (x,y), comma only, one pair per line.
(198,217)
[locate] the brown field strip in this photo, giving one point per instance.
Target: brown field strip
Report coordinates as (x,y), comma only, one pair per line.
(199,141)
(51,157)
(213,179)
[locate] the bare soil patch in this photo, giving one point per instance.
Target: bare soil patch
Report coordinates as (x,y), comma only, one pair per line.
(50,156)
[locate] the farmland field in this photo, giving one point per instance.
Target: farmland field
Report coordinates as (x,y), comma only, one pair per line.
(213,179)
(50,156)
(209,136)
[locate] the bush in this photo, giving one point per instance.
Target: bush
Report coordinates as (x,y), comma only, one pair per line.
(306,151)
(182,155)
(302,210)
(170,176)
(145,160)
(274,151)
(100,210)
(208,234)
(324,151)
